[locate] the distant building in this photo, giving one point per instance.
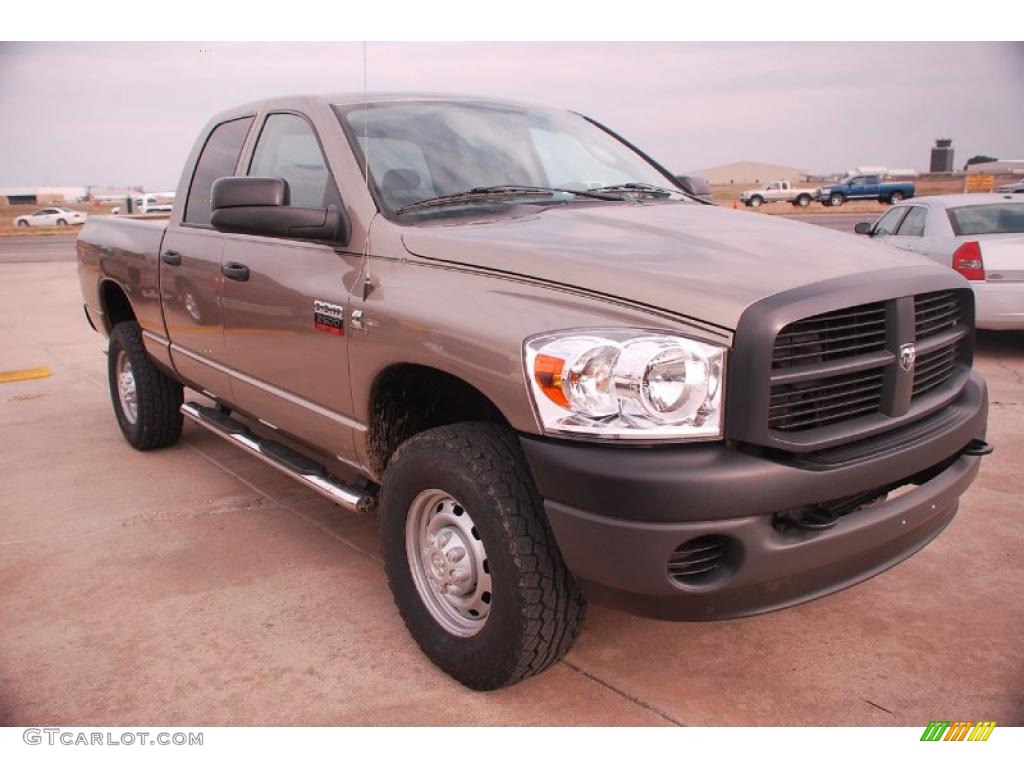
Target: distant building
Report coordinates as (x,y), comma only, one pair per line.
(1008,167)
(749,172)
(942,156)
(42,195)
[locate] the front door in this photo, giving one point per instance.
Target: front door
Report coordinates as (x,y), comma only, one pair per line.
(285,305)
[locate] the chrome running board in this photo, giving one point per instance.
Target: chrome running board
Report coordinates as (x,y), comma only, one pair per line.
(291,463)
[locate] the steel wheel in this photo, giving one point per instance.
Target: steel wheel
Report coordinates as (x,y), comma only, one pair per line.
(448,562)
(895,197)
(126,388)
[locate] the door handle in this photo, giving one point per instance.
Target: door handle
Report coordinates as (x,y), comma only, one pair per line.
(232,270)
(173,258)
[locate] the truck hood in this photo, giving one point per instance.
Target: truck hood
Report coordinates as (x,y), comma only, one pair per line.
(704,262)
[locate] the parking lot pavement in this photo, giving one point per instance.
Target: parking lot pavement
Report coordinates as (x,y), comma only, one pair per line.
(844,222)
(196,585)
(34,248)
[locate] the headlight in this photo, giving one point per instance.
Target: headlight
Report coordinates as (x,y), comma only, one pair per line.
(626,384)
(826,190)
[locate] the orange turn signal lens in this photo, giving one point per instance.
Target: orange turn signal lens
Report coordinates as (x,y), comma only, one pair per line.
(547,371)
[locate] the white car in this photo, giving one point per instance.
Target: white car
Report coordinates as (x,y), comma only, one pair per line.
(51,217)
(981,236)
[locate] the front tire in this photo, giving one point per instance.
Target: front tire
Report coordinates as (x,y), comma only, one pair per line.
(471,560)
(836,200)
(146,401)
(62,222)
(755,201)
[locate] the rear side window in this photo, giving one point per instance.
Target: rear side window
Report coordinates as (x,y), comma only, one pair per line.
(996,219)
(287,149)
(218,158)
(913,225)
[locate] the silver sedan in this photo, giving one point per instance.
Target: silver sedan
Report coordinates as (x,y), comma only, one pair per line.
(981,236)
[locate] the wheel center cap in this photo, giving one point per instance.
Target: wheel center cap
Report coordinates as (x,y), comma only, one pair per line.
(450,566)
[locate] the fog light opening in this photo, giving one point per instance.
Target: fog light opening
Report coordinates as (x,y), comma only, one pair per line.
(705,561)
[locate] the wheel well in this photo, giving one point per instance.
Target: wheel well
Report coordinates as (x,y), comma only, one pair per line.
(407,399)
(115,304)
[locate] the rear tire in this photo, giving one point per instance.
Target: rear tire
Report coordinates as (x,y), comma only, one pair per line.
(895,197)
(22,223)
(473,477)
(62,222)
(146,401)
(803,201)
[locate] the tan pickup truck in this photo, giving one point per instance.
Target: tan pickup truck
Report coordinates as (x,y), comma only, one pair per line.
(552,374)
(778,192)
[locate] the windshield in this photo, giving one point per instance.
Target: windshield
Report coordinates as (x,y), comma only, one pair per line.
(996,219)
(424,150)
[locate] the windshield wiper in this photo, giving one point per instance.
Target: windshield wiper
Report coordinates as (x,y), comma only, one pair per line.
(502,190)
(639,186)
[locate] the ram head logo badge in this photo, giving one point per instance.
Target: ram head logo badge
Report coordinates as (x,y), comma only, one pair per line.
(908,354)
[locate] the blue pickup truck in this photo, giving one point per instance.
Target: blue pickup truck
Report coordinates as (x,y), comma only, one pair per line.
(865,187)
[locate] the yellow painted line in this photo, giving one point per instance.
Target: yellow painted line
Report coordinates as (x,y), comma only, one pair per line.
(24,375)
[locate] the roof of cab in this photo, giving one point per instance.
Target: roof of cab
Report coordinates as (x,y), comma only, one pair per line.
(377,97)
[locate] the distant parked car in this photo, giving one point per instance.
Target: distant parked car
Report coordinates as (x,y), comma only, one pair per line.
(981,236)
(866,187)
(1015,188)
(51,217)
(778,192)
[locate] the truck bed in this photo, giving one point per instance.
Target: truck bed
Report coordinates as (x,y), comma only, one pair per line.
(126,250)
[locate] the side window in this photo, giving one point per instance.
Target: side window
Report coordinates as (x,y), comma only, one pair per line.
(287,149)
(913,224)
(218,158)
(888,224)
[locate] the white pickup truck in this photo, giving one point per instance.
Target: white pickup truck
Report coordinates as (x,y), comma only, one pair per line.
(778,192)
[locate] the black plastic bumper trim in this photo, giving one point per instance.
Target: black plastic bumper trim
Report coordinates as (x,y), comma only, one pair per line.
(623,563)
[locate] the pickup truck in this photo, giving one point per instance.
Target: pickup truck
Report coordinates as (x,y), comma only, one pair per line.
(778,192)
(552,375)
(868,187)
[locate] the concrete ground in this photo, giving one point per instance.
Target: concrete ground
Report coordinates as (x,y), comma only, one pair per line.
(195,585)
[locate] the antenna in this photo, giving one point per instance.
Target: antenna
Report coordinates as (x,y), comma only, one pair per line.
(367,278)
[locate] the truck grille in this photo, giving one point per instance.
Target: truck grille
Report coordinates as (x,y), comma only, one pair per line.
(845,364)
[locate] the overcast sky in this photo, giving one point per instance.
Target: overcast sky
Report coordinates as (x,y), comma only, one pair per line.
(127,113)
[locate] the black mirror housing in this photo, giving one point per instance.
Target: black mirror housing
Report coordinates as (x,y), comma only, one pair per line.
(863,228)
(253,205)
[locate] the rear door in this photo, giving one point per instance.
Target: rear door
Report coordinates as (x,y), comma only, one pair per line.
(285,314)
(190,276)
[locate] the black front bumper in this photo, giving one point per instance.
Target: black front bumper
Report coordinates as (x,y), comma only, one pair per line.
(619,512)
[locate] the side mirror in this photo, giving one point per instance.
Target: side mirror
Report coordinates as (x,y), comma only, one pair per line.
(695,185)
(863,228)
(254,205)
